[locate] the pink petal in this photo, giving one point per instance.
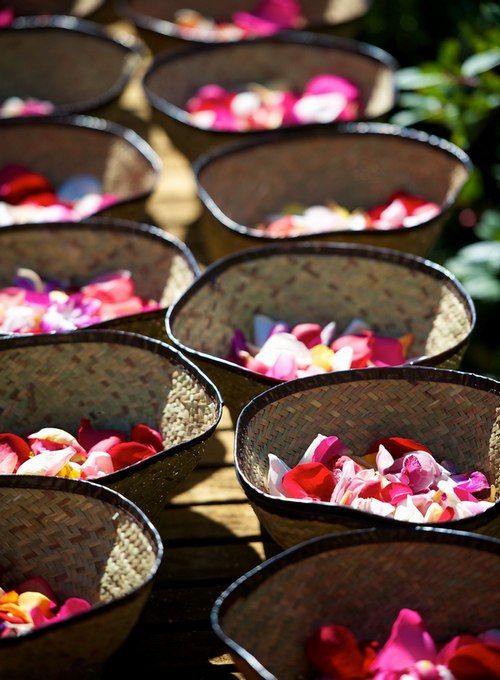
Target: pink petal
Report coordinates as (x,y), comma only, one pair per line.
(388,351)
(328,451)
(284,368)
(408,643)
(98,464)
(48,463)
(113,288)
(326,83)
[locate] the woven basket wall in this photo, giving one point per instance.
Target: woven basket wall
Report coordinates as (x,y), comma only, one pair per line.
(395,292)
(117,380)
(360,580)
(358,166)
(78,8)
(454,414)
(155,19)
(162,267)
(39,56)
(88,542)
(174,77)
(61,147)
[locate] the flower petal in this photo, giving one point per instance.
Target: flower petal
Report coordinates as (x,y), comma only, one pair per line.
(408,643)
(309,480)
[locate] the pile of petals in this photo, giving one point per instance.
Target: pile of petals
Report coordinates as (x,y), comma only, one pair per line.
(410,653)
(27,196)
(258,106)
(399,211)
(7,16)
(268,17)
(33,604)
(396,477)
(35,305)
(52,452)
(286,352)
(15,106)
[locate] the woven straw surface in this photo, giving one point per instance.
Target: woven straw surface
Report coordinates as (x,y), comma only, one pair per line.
(395,292)
(358,166)
(78,8)
(116,380)
(454,414)
(39,55)
(62,147)
(295,58)
(360,580)
(88,542)
(162,267)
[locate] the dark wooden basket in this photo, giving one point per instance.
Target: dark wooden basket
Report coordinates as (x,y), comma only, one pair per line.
(79,66)
(155,19)
(162,267)
(60,147)
(360,580)
(116,379)
(359,165)
(86,541)
(454,414)
(77,8)
(173,77)
(306,282)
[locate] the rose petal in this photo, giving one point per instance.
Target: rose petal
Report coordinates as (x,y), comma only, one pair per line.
(309,480)
(408,643)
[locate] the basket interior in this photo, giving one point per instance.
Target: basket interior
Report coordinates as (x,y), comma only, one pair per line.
(457,422)
(82,545)
(355,170)
(234,64)
(160,270)
(274,611)
(59,151)
(391,295)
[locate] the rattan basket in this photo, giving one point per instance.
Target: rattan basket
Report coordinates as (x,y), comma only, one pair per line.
(305,282)
(155,19)
(162,267)
(360,580)
(454,414)
(41,55)
(62,147)
(175,76)
(116,379)
(77,8)
(86,541)
(358,165)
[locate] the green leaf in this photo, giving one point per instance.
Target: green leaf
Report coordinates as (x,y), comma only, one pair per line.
(479,63)
(484,288)
(483,254)
(488,227)
(416,79)
(472,190)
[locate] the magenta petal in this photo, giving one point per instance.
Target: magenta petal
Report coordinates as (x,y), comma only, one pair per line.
(408,643)
(89,438)
(326,83)
(284,368)
(472,482)
(327,450)
(388,351)
(72,606)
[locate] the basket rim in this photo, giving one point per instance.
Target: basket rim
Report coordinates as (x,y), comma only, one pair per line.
(148,344)
(321,511)
(212,271)
(134,50)
(245,584)
(106,495)
(346,130)
(303,39)
(169,29)
(103,127)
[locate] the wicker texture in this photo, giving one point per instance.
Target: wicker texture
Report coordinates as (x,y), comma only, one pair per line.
(173,78)
(61,147)
(456,415)
(360,580)
(116,380)
(88,542)
(38,56)
(162,267)
(357,165)
(395,292)
(77,8)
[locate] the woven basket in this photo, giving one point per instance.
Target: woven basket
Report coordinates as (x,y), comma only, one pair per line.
(77,8)
(88,542)
(162,267)
(454,414)
(174,77)
(61,147)
(360,580)
(155,19)
(359,165)
(40,55)
(116,379)
(306,282)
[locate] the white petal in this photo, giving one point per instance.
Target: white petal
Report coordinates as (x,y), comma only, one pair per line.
(276,472)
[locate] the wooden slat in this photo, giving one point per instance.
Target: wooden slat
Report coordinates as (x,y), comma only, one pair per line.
(209,485)
(213,522)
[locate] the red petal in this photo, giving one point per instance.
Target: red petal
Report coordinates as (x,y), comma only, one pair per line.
(334,651)
(147,435)
(128,453)
(472,662)
(309,480)
(11,442)
(397,446)
(361,345)
(37,584)
(88,437)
